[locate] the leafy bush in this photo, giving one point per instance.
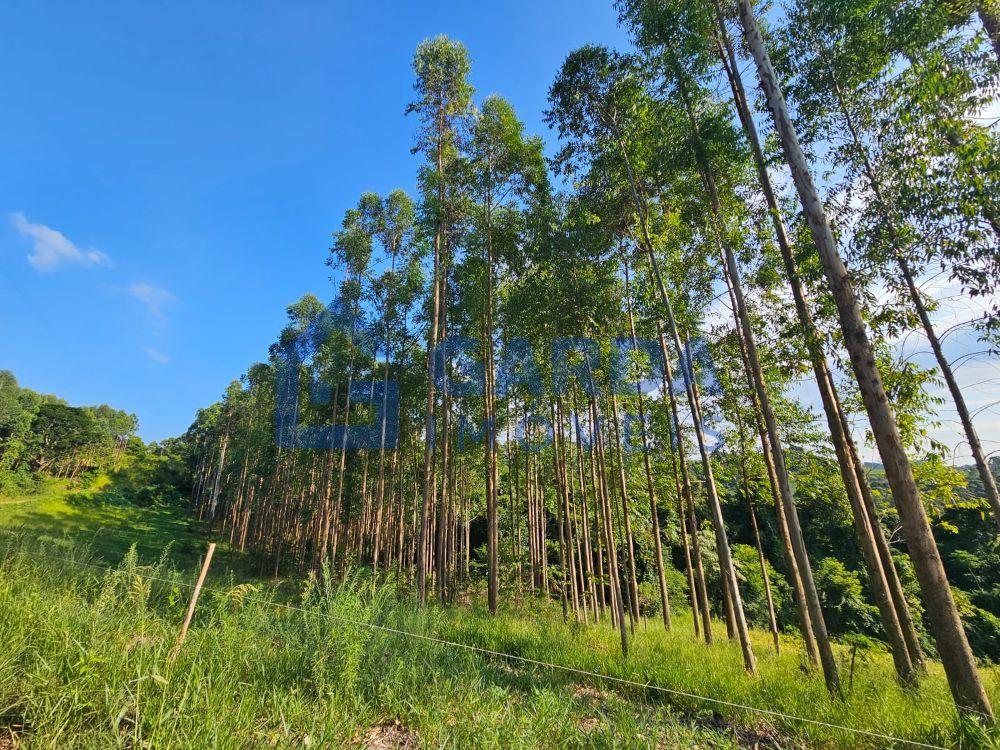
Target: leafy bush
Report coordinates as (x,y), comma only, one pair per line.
(18,482)
(677,588)
(981,627)
(752,586)
(844,603)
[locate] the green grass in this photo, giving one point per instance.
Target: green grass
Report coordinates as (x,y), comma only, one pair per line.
(84,661)
(86,665)
(109,527)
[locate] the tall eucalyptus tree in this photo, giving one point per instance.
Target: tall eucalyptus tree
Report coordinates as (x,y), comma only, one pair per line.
(442,105)
(942,613)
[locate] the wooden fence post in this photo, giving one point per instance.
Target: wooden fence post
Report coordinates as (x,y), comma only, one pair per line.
(194,602)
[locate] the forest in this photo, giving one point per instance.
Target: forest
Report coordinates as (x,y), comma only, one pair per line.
(647,368)
(43,436)
(667,187)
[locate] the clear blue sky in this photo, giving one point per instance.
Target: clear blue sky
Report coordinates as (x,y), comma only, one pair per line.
(171,172)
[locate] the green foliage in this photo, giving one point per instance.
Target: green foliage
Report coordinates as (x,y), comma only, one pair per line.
(153,475)
(981,627)
(42,436)
(845,606)
(752,587)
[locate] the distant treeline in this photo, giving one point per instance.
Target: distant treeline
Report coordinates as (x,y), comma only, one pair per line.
(42,436)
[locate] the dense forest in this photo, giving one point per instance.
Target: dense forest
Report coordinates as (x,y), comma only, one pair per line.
(585,372)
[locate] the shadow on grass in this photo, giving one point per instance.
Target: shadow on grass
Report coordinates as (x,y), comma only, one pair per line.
(108,523)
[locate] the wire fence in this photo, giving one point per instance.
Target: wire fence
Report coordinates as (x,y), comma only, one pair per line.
(555,667)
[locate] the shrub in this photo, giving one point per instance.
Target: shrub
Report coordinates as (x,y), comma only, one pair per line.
(981,627)
(844,604)
(752,585)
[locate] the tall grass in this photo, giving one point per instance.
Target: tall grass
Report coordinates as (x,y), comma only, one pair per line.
(84,663)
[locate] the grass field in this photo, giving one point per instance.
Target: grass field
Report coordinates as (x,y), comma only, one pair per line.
(296,664)
(109,527)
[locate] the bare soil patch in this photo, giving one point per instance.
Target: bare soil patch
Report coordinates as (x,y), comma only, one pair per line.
(389,735)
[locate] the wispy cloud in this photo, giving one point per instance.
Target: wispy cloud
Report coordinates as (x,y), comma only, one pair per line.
(156,355)
(153,297)
(52,248)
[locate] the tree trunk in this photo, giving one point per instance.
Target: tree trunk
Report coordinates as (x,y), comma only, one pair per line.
(989,15)
(942,613)
(761,560)
(617,601)
(432,340)
(761,399)
(700,590)
(633,583)
(654,519)
(490,457)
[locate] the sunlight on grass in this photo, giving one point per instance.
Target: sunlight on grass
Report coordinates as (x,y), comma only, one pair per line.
(85,644)
(85,663)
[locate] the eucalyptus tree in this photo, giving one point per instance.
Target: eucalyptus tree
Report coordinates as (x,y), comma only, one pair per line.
(596,102)
(504,171)
(942,613)
(351,253)
(647,447)
(392,292)
(740,409)
(916,180)
(443,103)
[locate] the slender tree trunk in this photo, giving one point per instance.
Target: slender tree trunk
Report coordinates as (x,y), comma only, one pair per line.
(588,554)
(761,559)
(633,583)
(682,524)
(879,569)
(566,515)
(895,585)
(654,519)
(489,404)
(701,590)
(617,598)
(440,537)
(942,613)
(976,447)
(761,403)
(432,340)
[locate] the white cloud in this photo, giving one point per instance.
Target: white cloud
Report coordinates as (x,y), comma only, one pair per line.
(153,297)
(52,248)
(156,355)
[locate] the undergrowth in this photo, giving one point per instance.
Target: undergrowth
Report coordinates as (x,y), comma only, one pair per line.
(85,663)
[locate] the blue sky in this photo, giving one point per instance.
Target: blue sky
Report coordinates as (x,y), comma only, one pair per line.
(172,174)
(172,171)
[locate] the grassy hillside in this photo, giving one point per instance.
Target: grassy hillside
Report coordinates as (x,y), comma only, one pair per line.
(295,664)
(108,524)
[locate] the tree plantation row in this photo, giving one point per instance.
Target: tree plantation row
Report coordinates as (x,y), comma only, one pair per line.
(750,206)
